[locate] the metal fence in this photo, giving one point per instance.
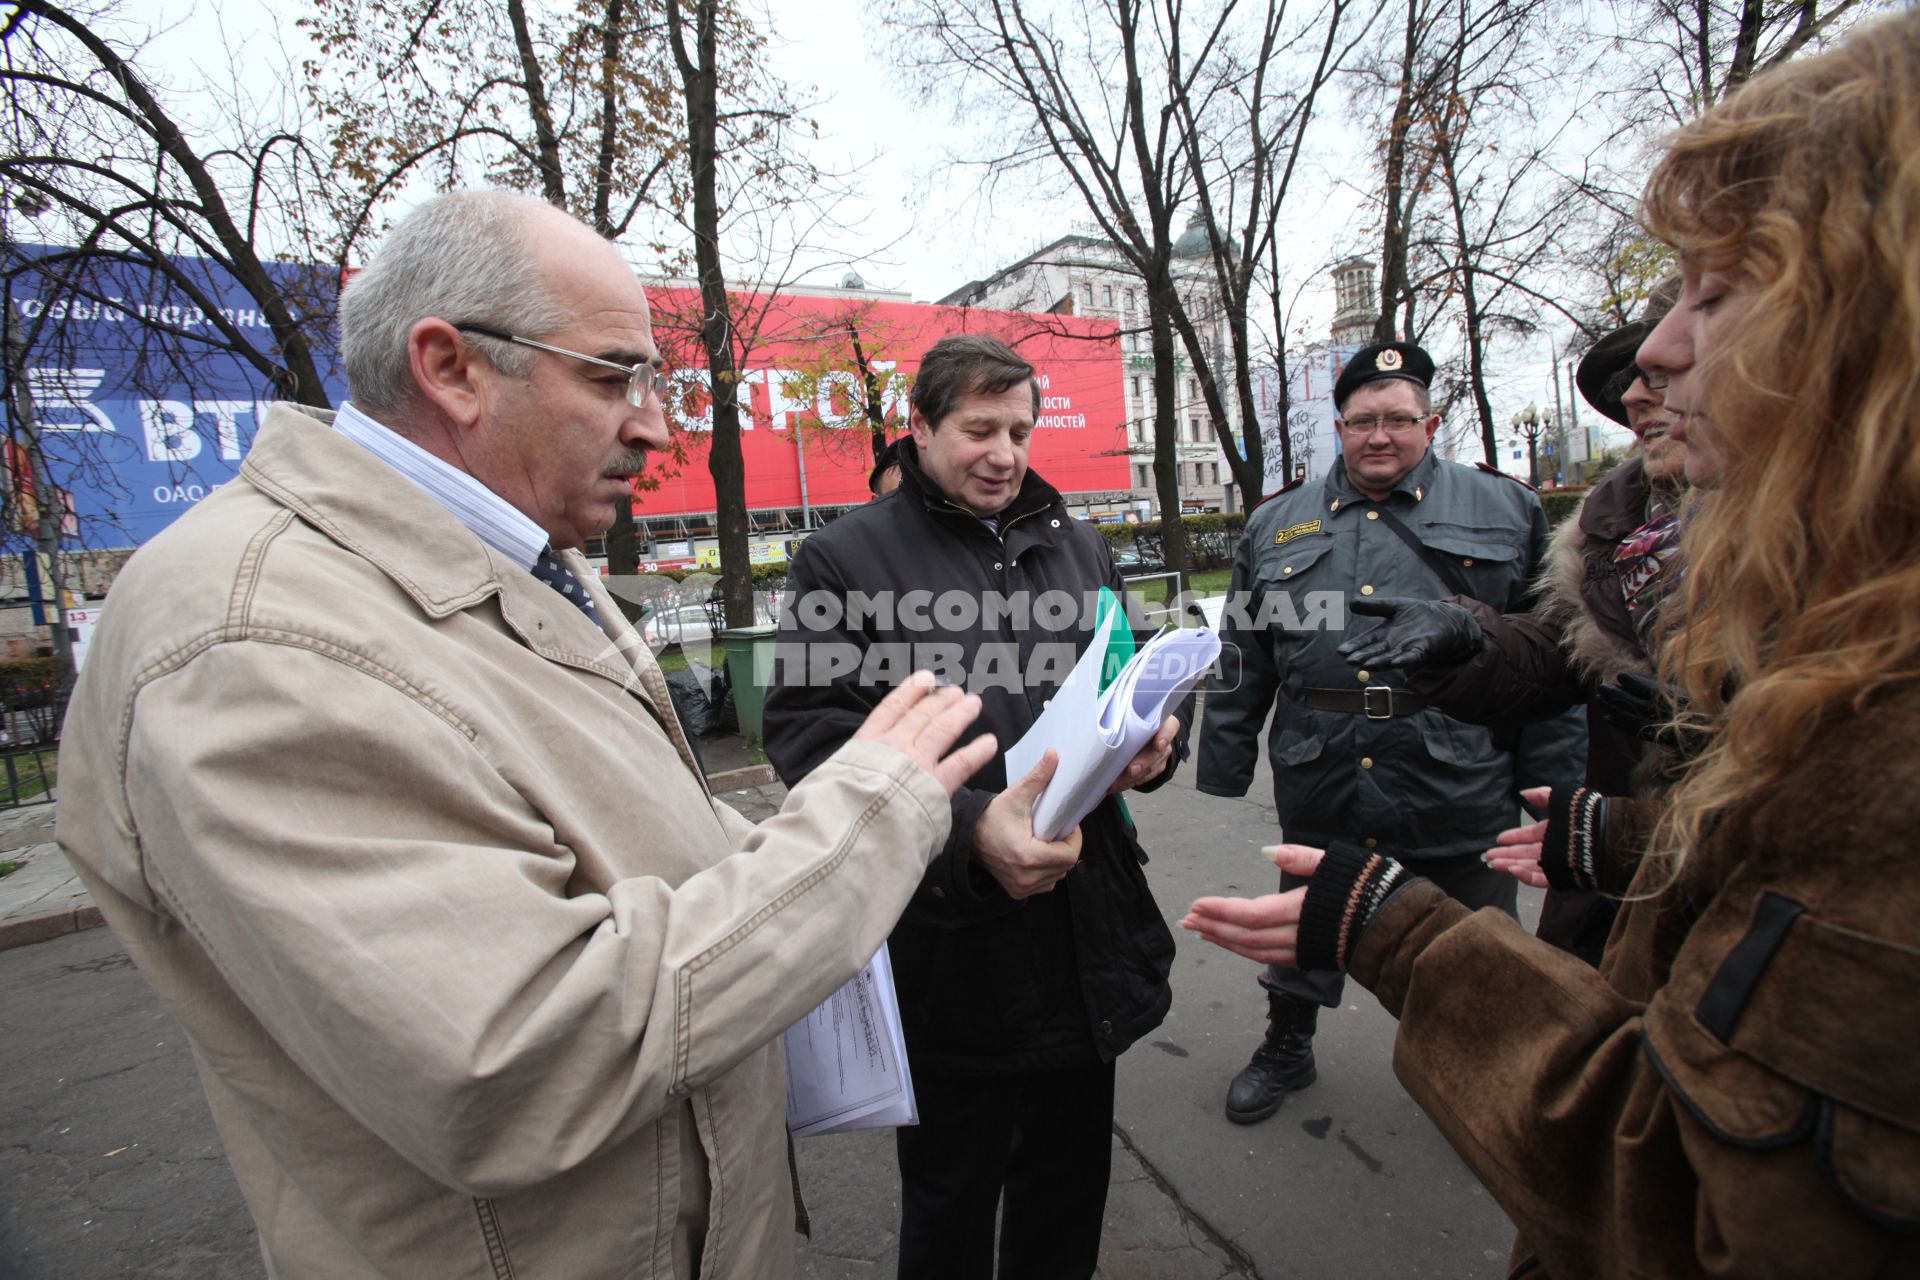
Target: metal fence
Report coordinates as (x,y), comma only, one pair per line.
(28,777)
(30,720)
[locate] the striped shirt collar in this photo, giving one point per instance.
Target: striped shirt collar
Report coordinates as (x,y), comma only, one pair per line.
(493,519)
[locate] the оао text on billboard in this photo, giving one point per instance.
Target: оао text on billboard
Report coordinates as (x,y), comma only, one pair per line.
(136,426)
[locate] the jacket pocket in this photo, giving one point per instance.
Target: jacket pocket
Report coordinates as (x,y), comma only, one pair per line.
(1494,565)
(1278,566)
(1291,747)
(1463,746)
(1470,547)
(1464,787)
(1791,1029)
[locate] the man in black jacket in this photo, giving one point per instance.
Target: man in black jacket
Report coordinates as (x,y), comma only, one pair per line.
(1024,967)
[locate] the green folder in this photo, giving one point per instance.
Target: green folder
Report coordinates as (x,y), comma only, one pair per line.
(1119,642)
(1120,648)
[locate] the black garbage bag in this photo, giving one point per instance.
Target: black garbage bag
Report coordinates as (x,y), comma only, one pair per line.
(704,706)
(720,700)
(691,705)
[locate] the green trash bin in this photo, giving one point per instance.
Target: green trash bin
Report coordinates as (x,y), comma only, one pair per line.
(749,667)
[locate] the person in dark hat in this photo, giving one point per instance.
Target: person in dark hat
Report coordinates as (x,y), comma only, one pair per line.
(1367,758)
(1608,570)
(1611,382)
(885,476)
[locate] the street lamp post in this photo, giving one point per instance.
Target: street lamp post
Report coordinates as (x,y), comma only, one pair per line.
(1530,423)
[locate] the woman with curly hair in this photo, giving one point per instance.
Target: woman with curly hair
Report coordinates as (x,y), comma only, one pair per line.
(1736,1090)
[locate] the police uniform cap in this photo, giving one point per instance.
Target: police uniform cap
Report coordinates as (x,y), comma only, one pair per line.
(1380,361)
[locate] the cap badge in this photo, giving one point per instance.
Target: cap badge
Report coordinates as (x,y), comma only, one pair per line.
(1388,359)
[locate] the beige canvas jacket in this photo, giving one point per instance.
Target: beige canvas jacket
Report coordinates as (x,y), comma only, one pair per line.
(480,980)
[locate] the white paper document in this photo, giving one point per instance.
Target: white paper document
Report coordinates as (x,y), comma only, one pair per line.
(847,1060)
(1097,734)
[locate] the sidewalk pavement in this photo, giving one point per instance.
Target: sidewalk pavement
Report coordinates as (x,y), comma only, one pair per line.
(43,898)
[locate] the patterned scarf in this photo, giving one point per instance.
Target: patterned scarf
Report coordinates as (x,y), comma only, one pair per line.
(1651,570)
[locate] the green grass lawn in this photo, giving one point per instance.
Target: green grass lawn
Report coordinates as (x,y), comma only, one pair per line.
(1212,582)
(671,659)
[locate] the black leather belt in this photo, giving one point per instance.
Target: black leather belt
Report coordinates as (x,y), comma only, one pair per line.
(1375,702)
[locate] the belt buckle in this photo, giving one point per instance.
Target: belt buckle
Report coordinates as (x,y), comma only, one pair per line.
(1367,703)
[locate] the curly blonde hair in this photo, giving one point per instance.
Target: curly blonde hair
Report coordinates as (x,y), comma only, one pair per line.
(1803,593)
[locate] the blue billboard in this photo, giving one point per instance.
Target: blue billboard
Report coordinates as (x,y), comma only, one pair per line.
(144,402)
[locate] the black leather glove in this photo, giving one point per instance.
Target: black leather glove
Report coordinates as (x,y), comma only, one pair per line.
(1634,704)
(1416,633)
(1643,707)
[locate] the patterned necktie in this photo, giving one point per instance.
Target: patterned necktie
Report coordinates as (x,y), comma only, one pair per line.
(556,575)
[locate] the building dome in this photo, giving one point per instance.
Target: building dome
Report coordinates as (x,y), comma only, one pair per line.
(1193,242)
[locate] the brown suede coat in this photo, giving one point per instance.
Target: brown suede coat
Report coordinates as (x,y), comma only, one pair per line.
(1736,1091)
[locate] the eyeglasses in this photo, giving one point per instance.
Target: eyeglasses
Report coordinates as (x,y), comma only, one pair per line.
(1398,424)
(640,377)
(1622,382)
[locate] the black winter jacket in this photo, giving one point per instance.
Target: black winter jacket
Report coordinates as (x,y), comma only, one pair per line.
(988,985)
(1578,636)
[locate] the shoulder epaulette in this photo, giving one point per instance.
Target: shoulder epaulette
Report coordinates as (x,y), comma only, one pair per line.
(1505,475)
(1288,487)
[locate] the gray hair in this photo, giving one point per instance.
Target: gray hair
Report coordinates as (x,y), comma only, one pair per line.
(463,257)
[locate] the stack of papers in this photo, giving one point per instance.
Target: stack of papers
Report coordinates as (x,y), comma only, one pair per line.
(847,1060)
(1099,727)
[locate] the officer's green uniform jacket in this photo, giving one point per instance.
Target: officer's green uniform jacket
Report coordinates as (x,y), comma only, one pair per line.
(1425,785)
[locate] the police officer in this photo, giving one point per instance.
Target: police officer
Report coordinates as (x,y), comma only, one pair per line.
(1364,759)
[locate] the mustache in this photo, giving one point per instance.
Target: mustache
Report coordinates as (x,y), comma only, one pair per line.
(630,462)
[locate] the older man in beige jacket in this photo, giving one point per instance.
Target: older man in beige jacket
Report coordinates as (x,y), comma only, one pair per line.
(392,809)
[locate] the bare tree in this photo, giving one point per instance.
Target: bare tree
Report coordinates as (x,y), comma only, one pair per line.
(576,107)
(1689,54)
(1243,162)
(1499,215)
(171,231)
(1103,91)
(95,158)
(652,120)
(1665,62)
(1399,81)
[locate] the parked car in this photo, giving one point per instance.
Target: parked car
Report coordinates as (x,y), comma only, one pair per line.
(1133,562)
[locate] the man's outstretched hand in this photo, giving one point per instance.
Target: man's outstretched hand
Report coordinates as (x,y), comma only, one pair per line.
(1415,634)
(921,719)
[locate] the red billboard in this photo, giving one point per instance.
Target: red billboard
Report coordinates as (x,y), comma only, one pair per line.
(808,370)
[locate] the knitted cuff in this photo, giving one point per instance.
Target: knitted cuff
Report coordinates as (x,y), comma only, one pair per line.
(1576,826)
(1342,897)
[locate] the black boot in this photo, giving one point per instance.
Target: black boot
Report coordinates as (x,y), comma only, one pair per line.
(1282,1063)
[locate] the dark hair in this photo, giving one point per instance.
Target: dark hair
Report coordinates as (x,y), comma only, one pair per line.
(889,457)
(965,364)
